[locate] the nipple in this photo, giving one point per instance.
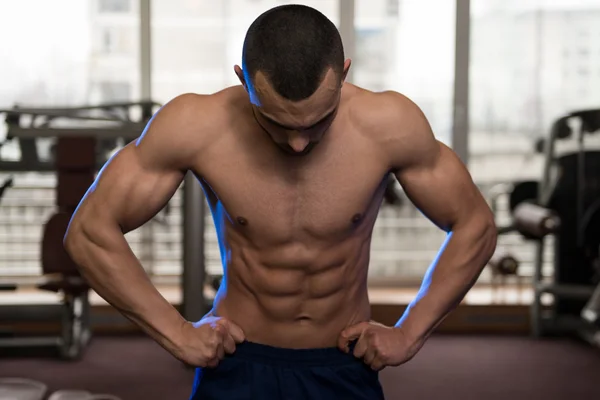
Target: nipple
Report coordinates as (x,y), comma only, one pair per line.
(357,218)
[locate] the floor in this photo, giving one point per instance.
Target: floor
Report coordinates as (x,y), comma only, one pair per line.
(448,367)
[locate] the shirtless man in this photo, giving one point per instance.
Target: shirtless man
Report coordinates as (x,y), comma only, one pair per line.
(294,165)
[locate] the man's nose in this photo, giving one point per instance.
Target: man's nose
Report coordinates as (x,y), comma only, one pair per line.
(298,141)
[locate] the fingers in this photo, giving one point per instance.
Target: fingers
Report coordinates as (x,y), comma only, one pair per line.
(235,331)
(214,347)
(349,334)
(224,339)
(366,348)
(220,350)
(369,355)
(229,344)
(232,334)
(354,331)
(226,345)
(223,335)
(360,350)
(377,365)
(212,363)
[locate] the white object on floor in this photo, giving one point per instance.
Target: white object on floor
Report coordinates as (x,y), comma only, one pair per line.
(79,395)
(70,395)
(21,389)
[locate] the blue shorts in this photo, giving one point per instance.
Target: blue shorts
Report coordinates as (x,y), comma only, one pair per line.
(259,372)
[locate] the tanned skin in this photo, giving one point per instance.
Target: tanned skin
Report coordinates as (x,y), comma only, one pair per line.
(295,203)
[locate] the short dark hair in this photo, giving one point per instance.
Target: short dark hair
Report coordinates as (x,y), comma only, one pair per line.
(294,46)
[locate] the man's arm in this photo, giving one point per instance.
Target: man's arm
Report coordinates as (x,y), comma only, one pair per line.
(438,183)
(131,188)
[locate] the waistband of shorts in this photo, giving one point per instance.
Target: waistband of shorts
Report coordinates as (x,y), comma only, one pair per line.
(265,354)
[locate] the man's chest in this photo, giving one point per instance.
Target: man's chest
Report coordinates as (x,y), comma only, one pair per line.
(327,197)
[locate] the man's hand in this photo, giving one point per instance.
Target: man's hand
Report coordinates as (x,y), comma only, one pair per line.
(378,345)
(205,343)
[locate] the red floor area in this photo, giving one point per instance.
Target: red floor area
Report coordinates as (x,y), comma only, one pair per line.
(448,367)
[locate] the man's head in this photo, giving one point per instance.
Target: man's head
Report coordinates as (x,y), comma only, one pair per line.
(293,70)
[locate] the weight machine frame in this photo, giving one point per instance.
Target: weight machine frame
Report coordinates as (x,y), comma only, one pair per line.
(571,125)
(107,121)
(543,321)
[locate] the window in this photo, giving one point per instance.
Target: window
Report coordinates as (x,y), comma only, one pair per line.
(44,59)
(397,49)
(197,43)
(115,91)
(506,116)
(114,6)
(404,46)
(116,39)
(108,41)
(51,62)
(583,72)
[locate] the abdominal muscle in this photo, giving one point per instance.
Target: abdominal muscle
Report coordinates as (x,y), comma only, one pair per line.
(292,298)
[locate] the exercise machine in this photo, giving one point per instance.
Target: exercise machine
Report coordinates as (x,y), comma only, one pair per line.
(82,145)
(565,203)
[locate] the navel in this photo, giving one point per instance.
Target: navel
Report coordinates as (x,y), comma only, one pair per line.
(242,221)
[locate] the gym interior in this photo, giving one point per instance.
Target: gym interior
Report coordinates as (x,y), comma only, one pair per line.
(512,86)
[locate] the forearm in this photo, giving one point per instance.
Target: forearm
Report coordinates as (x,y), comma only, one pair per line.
(112,270)
(463,256)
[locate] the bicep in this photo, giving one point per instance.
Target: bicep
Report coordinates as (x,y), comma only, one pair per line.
(129,191)
(140,179)
(441,187)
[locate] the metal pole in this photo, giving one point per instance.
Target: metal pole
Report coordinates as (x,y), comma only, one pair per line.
(145,50)
(193,276)
(347,32)
(460,125)
(537,78)
(536,306)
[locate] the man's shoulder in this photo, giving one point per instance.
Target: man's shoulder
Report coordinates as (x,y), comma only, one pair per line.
(385,116)
(381,110)
(393,121)
(206,108)
(190,123)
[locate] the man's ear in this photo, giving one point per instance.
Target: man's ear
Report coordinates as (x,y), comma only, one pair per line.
(347,65)
(240,74)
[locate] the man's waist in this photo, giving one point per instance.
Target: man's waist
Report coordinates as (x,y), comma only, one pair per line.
(301,357)
(289,323)
(302,334)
